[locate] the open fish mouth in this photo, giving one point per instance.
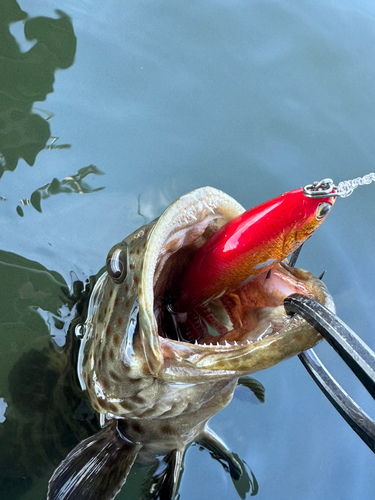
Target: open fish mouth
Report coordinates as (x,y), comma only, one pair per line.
(251,313)
(244,330)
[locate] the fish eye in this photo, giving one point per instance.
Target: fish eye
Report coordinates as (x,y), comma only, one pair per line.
(117,264)
(322,210)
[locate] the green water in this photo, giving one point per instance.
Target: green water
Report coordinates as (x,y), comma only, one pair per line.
(111,110)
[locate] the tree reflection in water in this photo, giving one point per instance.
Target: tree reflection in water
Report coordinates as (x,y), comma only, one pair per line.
(27,77)
(71,184)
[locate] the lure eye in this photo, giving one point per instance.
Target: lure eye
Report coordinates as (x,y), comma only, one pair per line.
(117,265)
(322,210)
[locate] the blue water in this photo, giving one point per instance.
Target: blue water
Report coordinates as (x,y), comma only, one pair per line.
(254,98)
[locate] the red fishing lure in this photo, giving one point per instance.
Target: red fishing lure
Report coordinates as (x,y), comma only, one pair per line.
(249,245)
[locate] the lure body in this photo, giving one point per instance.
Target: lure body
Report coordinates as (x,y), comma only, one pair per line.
(250,244)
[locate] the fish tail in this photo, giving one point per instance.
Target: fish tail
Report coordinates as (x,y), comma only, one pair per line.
(96,468)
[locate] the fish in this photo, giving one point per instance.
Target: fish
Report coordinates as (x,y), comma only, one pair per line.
(155,389)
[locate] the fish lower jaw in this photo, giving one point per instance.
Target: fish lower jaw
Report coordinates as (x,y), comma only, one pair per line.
(247,330)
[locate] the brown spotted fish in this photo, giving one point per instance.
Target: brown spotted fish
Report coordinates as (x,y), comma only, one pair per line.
(154,384)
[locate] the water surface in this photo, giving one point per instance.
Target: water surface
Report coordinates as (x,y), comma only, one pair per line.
(112,110)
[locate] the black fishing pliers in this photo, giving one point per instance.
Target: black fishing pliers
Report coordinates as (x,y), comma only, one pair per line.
(356,354)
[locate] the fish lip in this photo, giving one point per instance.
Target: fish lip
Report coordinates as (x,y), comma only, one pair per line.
(174,358)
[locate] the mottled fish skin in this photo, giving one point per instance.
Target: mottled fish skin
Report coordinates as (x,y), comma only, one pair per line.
(162,392)
(112,368)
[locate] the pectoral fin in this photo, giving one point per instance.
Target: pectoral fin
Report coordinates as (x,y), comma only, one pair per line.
(237,468)
(220,452)
(254,386)
(95,469)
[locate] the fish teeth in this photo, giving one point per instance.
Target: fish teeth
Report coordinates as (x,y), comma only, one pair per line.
(235,343)
(226,343)
(247,341)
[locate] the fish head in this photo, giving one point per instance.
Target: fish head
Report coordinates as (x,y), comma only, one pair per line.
(132,350)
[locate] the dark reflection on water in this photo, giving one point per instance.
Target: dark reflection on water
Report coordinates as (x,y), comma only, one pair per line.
(27,77)
(47,413)
(71,184)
